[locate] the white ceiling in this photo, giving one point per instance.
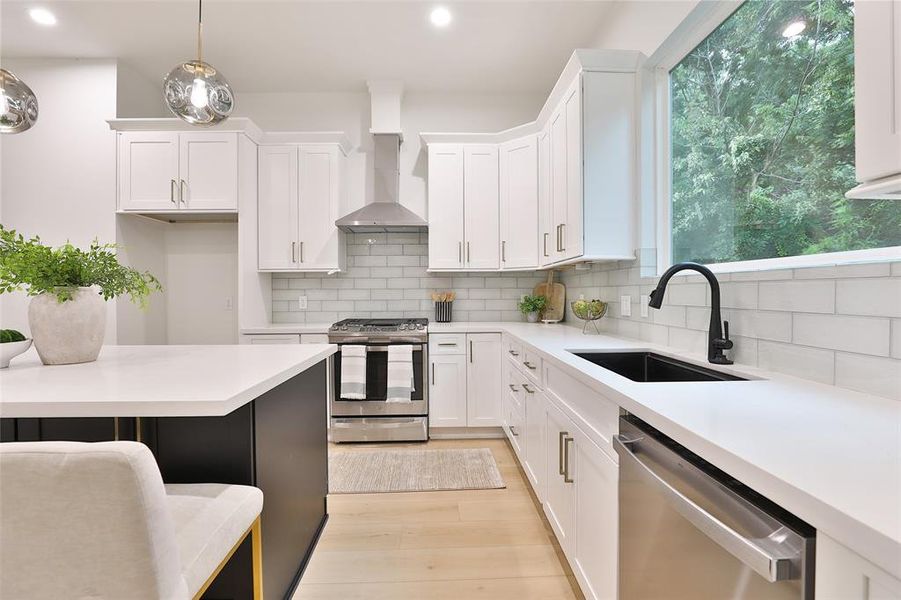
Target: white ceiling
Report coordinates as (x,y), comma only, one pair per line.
(302,46)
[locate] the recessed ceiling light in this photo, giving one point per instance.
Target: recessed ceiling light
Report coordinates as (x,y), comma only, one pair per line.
(441,17)
(42,16)
(794,29)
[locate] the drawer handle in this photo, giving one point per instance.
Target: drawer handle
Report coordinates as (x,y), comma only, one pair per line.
(526,387)
(513,353)
(566,477)
(513,387)
(528,365)
(563,435)
(513,431)
(447,343)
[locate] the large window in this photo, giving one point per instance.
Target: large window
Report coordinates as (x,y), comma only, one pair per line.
(762,139)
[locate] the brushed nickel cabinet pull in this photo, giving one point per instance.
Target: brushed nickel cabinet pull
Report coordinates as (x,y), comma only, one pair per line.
(433,373)
(504,251)
(513,431)
(562,237)
(528,365)
(512,387)
(470,350)
(172,186)
(460,252)
(301,252)
(563,434)
(513,352)
(545,244)
(182,188)
(293,251)
(566,476)
(468,258)
(526,387)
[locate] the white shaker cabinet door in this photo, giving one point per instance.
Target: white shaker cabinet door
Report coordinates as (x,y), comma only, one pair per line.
(536,441)
(318,237)
(877,82)
(208,171)
(148,171)
(546,232)
(572,233)
(559,501)
(447,390)
(278,219)
(481,207)
(445,189)
(596,482)
(483,380)
(519,203)
(842,574)
(558,183)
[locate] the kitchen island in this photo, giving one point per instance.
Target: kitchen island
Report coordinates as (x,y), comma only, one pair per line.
(252,415)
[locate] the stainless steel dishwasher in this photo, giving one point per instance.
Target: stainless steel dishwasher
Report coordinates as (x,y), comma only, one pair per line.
(688,531)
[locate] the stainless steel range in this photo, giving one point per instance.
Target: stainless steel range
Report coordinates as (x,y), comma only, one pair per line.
(373,419)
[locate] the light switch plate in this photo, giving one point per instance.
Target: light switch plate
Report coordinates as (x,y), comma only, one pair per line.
(644,304)
(625,306)
(302,302)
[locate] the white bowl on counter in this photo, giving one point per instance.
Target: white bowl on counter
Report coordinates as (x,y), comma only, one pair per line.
(10,350)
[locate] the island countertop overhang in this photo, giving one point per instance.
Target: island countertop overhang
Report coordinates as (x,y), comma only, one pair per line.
(153,381)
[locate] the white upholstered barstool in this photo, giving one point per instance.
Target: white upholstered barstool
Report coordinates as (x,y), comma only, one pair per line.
(95,521)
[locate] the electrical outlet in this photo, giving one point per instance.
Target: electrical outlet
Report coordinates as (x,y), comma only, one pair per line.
(625,306)
(644,305)
(302,302)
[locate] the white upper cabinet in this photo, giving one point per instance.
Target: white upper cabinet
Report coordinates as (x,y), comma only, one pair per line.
(571,230)
(208,169)
(445,191)
(480,207)
(546,251)
(166,171)
(558,199)
(519,203)
(877,102)
(277,208)
(299,201)
(148,171)
(463,207)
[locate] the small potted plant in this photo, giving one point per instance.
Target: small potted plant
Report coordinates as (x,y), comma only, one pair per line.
(69,287)
(532,307)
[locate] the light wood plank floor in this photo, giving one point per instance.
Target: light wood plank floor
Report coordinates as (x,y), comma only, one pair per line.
(455,545)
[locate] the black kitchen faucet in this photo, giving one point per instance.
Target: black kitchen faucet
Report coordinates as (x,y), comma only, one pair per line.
(716,341)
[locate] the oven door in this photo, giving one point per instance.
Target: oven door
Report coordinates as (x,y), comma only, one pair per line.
(377,386)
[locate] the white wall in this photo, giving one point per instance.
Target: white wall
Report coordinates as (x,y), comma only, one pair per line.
(138,97)
(419,112)
(59,178)
(641,24)
(142,244)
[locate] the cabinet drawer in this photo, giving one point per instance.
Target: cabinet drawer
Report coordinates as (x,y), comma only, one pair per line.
(447,343)
(270,338)
(314,338)
(599,415)
(512,348)
(515,429)
(532,366)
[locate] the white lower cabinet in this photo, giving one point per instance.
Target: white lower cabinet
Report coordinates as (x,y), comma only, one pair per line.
(596,484)
(841,574)
(559,500)
(465,380)
(447,392)
(535,435)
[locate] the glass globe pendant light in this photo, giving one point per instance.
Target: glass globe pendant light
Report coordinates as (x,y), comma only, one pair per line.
(18,104)
(195,91)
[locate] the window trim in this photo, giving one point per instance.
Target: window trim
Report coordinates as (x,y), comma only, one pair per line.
(700,23)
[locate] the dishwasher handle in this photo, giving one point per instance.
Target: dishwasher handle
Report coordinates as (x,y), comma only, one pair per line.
(771,566)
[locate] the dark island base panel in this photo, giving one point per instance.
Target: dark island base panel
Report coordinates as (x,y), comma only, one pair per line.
(278,442)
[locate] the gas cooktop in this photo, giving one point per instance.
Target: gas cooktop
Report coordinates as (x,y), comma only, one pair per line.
(379,328)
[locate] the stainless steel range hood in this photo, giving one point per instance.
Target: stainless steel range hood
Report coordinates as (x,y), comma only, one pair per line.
(385,213)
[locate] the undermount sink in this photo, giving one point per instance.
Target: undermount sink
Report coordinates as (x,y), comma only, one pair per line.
(647,367)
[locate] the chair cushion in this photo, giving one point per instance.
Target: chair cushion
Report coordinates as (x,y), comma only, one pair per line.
(209,518)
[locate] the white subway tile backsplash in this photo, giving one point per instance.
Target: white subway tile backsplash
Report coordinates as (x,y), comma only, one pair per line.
(686,294)
(403,261)
(388,295)
(739,294)
(865,335)
(668,315)
(878,297)
(369,261)
(690,340)
(868,374)
(799,361)
(386,250)
(798,296)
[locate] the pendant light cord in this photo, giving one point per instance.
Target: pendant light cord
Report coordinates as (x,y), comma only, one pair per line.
(200,31)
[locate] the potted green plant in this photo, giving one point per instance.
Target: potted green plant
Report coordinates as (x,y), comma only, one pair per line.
(69,287)
(532,307)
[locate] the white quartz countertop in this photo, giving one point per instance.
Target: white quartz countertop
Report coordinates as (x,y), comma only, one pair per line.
(830,456)
(153,381)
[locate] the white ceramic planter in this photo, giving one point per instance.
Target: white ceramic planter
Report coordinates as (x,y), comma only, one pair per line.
(532,317)
(68,332)
(10,350)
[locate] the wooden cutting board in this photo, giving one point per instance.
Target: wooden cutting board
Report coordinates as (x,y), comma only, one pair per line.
(556,297)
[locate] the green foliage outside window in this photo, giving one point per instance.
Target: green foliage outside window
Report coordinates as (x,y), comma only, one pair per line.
(763,140)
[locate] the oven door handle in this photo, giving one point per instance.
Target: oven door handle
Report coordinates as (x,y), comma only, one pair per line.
(773,564)
(385,348)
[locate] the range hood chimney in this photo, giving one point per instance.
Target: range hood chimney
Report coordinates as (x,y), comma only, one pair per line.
(384,213)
